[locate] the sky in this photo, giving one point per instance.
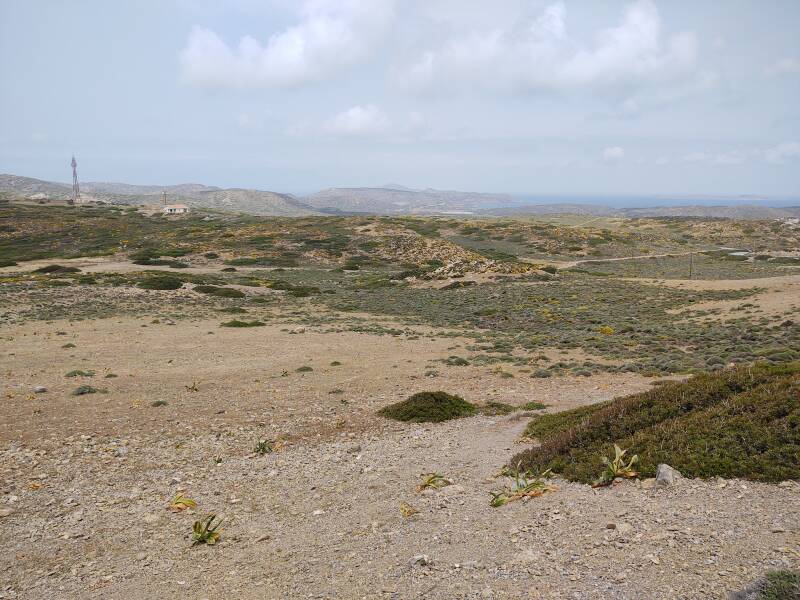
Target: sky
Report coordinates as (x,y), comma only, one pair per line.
(552,97)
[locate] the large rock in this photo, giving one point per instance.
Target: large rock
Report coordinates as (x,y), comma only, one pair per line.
(666,475)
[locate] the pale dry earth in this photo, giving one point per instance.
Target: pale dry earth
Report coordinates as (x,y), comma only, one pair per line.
(86,480)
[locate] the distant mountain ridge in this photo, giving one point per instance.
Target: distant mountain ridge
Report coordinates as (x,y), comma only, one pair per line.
(391,199)
(255,202)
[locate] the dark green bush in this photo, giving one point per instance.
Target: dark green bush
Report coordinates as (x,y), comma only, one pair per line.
(429,407)
(161,283)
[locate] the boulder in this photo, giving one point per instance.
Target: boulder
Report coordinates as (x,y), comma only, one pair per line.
(666,475)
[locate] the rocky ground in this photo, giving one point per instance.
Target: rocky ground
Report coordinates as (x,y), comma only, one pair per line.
(87,480)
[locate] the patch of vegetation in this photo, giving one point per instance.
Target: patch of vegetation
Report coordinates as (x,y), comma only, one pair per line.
(219,292)
(429,407)
(79,373)
(305,369)
(533,406)
(57,269)
(497,408)
(263,447)
(83,390)
(161,283)
(238,323)
(158,403)
(736,423)
(775,585)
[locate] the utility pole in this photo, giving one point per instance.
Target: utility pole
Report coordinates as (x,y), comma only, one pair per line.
(76,191)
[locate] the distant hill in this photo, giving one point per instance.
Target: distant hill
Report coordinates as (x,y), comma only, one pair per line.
(396,199)
(255,202)
(728,212)
(391,199)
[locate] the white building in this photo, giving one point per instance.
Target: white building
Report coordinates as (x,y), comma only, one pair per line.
(175,209)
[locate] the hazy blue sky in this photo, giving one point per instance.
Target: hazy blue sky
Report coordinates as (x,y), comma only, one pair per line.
(540,97)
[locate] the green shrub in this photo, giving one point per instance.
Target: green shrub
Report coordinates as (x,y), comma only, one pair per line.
(161,283)
(738,423)
(7,263)
(305,369)
(429,407)
(219,292)
(497,408)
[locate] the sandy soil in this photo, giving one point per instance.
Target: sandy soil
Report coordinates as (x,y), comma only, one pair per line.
(86,480)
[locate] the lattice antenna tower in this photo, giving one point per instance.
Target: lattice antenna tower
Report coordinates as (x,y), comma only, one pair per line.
(76,190)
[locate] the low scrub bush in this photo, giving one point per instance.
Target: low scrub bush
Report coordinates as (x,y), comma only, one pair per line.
(737,423)
(219,292)
(161,283)
(237,323)
(429,407)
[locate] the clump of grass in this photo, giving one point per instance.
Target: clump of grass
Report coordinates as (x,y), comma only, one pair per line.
(429,407)
(161,283)
(734,423)
(68,345)
(79,373)
(82,390)
(234,310)
(206,531)
(305,369)
(238,323)
(336,363)
(158,403)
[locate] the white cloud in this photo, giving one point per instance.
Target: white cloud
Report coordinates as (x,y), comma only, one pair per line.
(359,121)
(541,56)
(613,154)
(783,153)
(330,36)
(784,66)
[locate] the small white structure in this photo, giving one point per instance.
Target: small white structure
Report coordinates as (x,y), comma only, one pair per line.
(175,209)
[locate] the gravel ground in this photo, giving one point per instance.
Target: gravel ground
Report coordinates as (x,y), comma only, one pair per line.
(85,481)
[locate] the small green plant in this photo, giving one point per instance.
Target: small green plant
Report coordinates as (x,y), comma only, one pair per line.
(180,503)
(111,376)
(617,468)
(206,531)
(433,481)
(68,345)
(264,447)
(524,484)
(305,369)
(336,363)
(158,403)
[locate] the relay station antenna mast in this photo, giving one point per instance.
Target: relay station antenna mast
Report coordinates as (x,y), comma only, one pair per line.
(76,190)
